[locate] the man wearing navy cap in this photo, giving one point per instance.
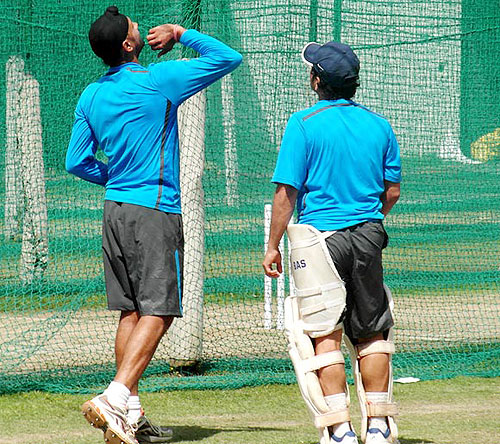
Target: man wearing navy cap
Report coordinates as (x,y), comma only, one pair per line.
(131,114)
(339,163)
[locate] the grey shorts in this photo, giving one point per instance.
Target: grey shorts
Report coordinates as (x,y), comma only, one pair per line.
(357,254)
(143,251)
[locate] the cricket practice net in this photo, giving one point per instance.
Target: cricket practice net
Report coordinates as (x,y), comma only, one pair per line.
(431,67)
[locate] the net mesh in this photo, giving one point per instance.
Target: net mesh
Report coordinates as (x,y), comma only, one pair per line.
(431,67)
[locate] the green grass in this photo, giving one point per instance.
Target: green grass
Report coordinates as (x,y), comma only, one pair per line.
(456,411)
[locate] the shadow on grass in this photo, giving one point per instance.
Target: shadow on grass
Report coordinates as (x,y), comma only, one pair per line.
(414,441)
(196,433)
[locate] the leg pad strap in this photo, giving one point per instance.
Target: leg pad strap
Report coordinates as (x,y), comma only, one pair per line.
(331,418)
(378,346)
(379,409)
(322,360)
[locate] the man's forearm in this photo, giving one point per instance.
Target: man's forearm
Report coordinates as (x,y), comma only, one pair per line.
(283,205)
(87,168)
(389,197)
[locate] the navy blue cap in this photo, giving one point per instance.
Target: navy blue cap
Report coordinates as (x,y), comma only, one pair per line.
(107,34)
(334,62)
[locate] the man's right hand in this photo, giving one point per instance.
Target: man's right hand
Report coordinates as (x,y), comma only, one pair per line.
(164,37)
(273,256)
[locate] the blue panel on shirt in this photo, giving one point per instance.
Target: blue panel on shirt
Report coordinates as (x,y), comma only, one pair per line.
(337,154)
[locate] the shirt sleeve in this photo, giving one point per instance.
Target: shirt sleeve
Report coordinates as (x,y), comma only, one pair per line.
(80,157)
(180,79)
(291,166)
(392,160)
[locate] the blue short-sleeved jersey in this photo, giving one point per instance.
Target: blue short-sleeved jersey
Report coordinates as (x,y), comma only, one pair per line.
(337,154)
(131,114)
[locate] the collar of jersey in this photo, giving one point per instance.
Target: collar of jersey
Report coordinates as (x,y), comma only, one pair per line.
(336,101)
(122,66)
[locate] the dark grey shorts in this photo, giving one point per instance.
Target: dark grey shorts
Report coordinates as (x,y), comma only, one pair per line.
(357,254)
(143,252)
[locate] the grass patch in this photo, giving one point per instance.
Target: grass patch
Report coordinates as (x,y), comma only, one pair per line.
(455,411)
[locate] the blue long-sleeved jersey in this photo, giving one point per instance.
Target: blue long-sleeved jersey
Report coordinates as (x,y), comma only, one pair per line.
(131,114)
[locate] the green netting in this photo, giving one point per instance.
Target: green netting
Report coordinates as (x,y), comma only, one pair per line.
(430,66)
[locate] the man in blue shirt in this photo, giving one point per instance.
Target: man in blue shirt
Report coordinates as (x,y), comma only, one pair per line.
(340,163)
(131,114)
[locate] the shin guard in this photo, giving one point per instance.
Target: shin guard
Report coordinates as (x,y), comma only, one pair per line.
(368,410)
(306,363)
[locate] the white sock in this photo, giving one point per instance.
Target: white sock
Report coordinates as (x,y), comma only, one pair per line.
(117,395)
(338,402)
(378,422)
(134,409)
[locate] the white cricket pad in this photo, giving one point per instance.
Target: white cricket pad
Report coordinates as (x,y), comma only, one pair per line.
(356,352)
(319,290)
(306,363)
(313,311)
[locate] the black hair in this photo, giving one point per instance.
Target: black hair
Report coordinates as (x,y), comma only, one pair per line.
(328,92)
(113,59)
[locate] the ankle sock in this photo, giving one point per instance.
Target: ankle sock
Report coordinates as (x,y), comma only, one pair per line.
(338,402)
(117,395)
(133,409)
(378,422)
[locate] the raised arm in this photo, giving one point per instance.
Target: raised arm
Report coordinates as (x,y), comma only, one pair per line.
(180,79)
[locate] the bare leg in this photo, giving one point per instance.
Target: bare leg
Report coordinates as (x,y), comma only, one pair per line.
(332,377)
(134,355)
(374,369)
(128,321)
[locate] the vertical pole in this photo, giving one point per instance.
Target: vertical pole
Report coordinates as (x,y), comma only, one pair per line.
(268,286)
(34,249)
(280,300)
(337,20)
(186,334)
(14,72)
(191,19)
(290,277)
(313,21)
(230,153)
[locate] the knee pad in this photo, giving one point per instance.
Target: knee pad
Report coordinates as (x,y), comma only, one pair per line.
(356,352)
(319,291)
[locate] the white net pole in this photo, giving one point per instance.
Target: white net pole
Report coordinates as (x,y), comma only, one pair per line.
(290,277)
(230,153)
(14,71)
(280,290)
(34,249)
(186,334)
(268,285)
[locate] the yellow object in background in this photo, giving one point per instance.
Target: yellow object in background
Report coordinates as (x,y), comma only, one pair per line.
(486,147)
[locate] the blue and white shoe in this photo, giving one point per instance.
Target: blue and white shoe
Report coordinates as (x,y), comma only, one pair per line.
(376,436)
(348,438)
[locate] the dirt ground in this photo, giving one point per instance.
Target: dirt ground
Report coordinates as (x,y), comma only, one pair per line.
(38,341)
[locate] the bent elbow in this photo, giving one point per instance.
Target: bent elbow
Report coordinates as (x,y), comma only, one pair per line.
(235,59)
(71,166)
(238,58)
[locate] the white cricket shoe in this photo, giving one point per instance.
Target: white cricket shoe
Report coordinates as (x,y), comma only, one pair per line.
(376,436)
(111,420)
(348,438)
